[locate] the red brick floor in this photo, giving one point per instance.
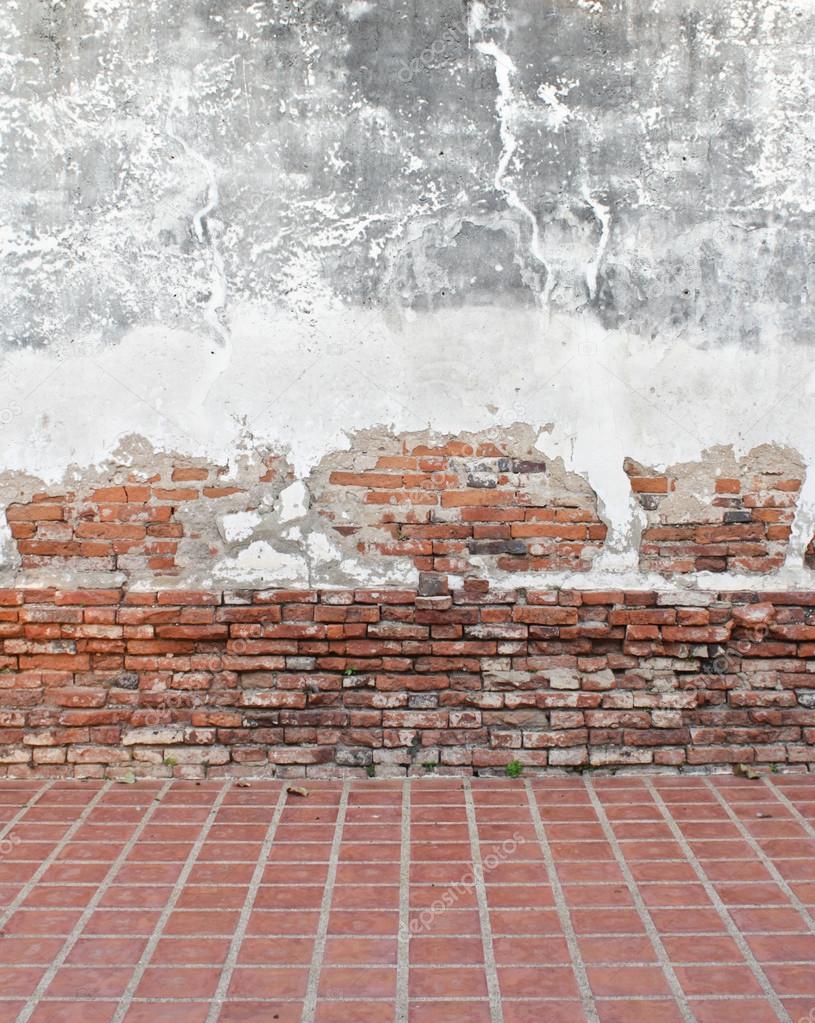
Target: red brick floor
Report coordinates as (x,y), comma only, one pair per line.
(612,900)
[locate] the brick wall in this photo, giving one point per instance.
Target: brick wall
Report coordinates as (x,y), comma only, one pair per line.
(133,524)
(708,518)
(101,682)
(455,506)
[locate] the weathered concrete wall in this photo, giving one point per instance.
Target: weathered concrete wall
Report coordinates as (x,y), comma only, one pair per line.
(274,242)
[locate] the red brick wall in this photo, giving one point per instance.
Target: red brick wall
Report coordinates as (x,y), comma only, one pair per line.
(129,526)
(100,682)
(744,527)
(442,506)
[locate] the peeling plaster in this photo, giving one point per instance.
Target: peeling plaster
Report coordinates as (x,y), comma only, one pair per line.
(263,565)
(235,229)
(292,502)
(239,526)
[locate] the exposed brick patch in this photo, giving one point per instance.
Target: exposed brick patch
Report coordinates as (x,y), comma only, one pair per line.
(100,682)
(444,504)
(476,505)
(720,515)
(104,528)
(130,525)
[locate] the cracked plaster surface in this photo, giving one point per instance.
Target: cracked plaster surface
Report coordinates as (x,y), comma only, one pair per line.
(274,224)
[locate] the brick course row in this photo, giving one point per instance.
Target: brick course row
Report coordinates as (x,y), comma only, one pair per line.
(108,683)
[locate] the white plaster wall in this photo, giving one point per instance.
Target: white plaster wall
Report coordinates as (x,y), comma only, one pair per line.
(217,349)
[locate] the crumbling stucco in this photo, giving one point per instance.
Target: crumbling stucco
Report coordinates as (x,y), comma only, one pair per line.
(148,516)
(488,503)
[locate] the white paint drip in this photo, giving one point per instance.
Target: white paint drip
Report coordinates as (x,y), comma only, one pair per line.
(205,229)
(504,106)
(559,113)
(602,214)
(476,19)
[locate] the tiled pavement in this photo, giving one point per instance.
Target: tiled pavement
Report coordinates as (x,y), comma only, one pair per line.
(557,900)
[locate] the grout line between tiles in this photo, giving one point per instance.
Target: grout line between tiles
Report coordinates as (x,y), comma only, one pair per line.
(563,911)
(490,966)
(541,964)
(403,934)
(310,999)
(246,911)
